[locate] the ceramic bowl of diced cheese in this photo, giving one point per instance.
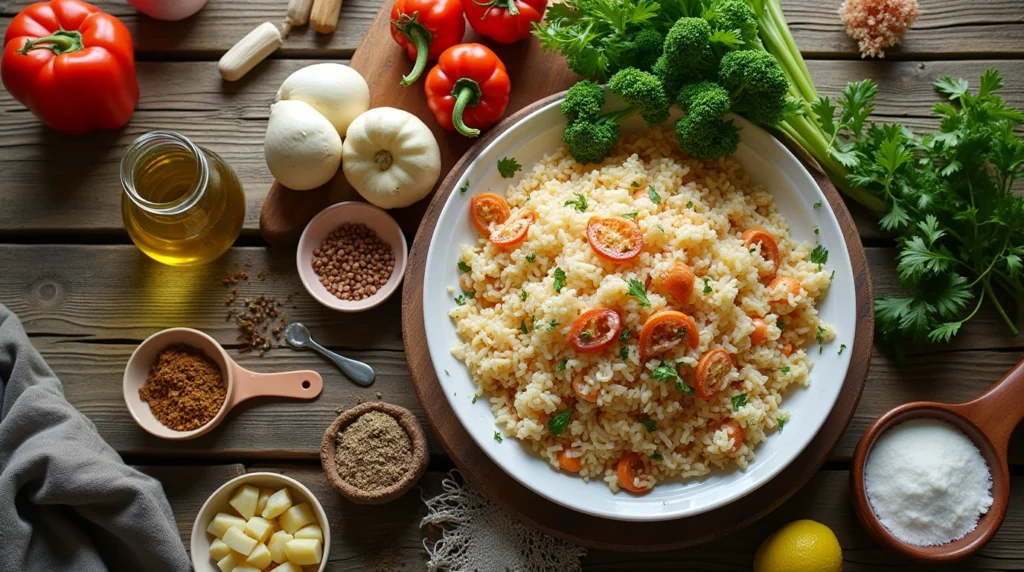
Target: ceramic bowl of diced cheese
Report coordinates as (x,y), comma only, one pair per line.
(261,521)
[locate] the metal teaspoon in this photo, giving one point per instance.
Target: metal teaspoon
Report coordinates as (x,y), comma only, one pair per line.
(297,336)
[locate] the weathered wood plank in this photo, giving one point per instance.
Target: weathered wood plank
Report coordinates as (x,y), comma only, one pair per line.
(187,488)
(388,537)
(948,29)
(49,182)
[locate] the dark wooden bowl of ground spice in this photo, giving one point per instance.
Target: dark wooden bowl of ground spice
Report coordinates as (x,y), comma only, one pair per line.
(374,452)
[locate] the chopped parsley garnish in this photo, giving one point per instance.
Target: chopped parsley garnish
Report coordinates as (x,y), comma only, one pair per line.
(523,294)
(650,424)
(551,326)
(464,187)
(655,197)
(634,184)
(461,298)
(531,257)
(630,216)
(820,336)
(497,436)
(780,324)
(817,204)
(819,256)
(784,369)
(561,364)
(739,401)
(782,423)
(558,423)
(832,276)
(661,228)
(624,336)
(559,279)
(817,230)
(585,335)
(707,285)
(624,353)
(637,290)
(508,166)
(474,399)
(657,456)
(841,348)
(523,327)
(580,203)
(666,372)
(689,204)
(464,267)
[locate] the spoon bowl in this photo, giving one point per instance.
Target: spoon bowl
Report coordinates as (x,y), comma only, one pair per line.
(240,383)
(297,335)
(988,421)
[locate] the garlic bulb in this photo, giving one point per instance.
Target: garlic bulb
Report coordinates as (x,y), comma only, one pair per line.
(337,91)
(302,148)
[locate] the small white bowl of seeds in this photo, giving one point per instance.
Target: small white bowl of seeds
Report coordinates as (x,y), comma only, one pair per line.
(351,256)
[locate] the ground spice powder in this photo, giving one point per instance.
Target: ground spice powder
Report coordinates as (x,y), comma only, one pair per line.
(373,452)
(184,388)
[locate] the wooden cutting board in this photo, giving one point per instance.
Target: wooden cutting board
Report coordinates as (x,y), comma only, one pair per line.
(534,74)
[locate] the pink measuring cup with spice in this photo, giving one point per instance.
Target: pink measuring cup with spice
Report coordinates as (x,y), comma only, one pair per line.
(241,384)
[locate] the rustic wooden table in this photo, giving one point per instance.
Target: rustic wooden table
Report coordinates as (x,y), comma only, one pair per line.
(88,296)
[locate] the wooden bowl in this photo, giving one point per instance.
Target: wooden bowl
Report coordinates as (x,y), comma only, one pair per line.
(988,421)
(420,454)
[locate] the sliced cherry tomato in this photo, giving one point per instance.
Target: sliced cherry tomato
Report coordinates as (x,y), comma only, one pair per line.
(678,283)
(570,464)
(769,248)
(487,209)
(615,238)
(631,467)
(595,330)
(579,387)
(735,432)
(664,331)
(782,287)
(712,373)
(760,333)
(513,232)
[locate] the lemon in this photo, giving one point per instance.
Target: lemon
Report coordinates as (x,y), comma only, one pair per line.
(801,546)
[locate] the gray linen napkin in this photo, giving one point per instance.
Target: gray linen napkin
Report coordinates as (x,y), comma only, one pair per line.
(67,501)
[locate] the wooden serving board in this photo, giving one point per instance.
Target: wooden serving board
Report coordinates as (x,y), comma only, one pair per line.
(533,74)
(593,531)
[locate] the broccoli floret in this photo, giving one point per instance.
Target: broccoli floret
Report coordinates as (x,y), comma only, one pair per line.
(707,138)
(583,101)
(704,100)
(756,83)
(733,15)
(647,47)
(591,141)
(643,91)
(685,44)
(670,81)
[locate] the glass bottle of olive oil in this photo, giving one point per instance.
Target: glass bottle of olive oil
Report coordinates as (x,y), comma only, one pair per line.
(182,204)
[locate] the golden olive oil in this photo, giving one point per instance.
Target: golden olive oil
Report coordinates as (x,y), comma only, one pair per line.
(183,205)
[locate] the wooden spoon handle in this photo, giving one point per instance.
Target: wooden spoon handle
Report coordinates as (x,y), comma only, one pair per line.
(998,411)
(304,384)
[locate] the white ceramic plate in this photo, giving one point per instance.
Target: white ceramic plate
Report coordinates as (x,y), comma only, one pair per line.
(768,163)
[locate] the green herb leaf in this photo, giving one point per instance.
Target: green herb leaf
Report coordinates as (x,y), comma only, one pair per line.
(507,167)
(782,423)
(559,279)
(474,399)
(819,256)
(739,401)
(657,456)
(655,197)
(665,372)
(585,335)
(817,204)
(650,424)
(630,216)
(464,187)
(464,267)
(707,285)
(624,336)
(497,436)
(624,353)
(784,369)
(637,290)
(523,294)
(689,204)
(552,325)
(531,257)
(634,184)
(841,348)
(561,364)
(523,327)
(579,203)
(820,336)
(781,325)
(558,423)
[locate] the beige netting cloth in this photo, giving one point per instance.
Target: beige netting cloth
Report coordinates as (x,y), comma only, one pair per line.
(479,536)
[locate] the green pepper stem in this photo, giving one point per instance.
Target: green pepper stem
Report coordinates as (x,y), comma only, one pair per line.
(509,5)
(59,42)
(467,94)
(420,36)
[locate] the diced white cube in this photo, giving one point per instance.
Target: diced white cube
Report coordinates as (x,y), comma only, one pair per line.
(245,568)
(310,531)
(218,549)
(276,546)
(288,567)
(296,517)
(239,541)
(304,551)
(222,522)
(259,557)
(244,500)
(259,528)
(230,562)
(261,501)
(277,504)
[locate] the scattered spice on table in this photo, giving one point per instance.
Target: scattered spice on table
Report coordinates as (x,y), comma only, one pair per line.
(353,262)
(184,388)
(260,319)
(373,452)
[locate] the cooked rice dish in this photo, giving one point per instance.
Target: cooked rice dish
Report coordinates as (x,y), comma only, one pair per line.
(559,298)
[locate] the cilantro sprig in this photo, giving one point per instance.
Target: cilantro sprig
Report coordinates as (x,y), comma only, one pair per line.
(638,291)
(507,167)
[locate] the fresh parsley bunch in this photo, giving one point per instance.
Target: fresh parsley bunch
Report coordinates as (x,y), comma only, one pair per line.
(949,199)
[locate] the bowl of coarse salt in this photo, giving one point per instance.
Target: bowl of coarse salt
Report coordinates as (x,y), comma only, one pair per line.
(931,480)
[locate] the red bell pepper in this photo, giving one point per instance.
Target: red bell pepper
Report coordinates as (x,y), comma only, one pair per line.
(72,65)
(425,28)
(468,89)
(504,21)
